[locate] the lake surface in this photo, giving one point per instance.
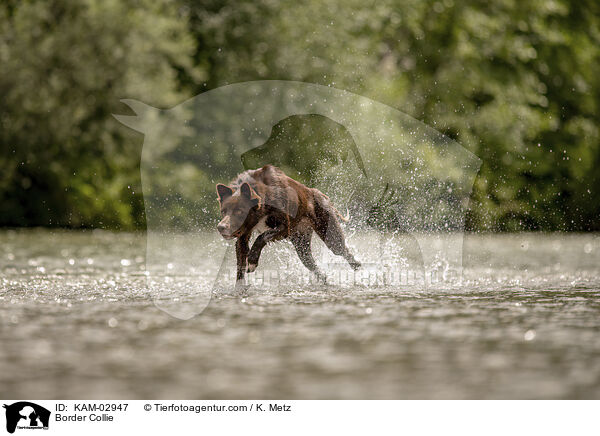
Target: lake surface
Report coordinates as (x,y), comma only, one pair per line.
(77,321)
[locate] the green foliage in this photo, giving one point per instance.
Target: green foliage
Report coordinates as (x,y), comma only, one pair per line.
(513,82)
(65,64)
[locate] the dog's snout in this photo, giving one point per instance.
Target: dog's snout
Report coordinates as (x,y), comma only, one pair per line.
(223,226)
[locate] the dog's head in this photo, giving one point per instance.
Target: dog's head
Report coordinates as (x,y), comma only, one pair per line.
(236,207)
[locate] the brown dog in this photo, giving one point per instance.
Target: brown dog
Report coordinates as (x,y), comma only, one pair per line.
(277,206)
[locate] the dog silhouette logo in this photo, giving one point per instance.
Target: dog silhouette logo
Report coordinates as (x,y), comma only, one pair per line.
(390,171)
(26,415)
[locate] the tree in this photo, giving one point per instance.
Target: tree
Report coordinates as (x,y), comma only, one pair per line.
(65,65)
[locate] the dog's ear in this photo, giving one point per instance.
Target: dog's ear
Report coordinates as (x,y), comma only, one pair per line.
(255,201)
(223,192)
(249,193)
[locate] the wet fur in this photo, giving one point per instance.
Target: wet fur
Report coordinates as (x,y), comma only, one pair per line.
(284,208)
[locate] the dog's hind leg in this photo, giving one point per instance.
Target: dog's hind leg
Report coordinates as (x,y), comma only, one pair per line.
(301,241)
(330,231)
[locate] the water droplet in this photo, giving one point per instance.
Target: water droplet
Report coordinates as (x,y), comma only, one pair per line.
(529,335)
(112,323)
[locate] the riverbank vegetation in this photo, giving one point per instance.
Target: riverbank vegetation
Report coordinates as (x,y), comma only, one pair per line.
(515,83)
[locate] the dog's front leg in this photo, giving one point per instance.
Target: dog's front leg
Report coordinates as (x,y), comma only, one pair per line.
(262,240)
(241,251)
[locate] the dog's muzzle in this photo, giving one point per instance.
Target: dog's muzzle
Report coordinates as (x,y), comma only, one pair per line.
(225,229)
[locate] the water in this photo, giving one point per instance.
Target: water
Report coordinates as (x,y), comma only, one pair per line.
(76,322)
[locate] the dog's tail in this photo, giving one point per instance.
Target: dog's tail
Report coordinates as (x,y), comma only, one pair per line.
(342,217)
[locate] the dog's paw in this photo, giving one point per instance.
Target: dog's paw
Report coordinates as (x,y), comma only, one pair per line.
(241,287)
(355,265)
(252,267)
(321,278)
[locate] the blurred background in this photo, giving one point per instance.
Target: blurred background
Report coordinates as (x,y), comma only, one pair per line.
(514,82)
